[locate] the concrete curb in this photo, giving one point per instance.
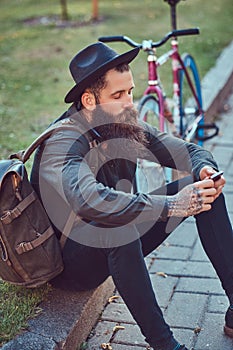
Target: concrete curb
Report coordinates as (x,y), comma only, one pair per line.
(217,83)
(68,317)
(66,320)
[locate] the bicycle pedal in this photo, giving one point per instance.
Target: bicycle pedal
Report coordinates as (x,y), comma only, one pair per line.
(205,128)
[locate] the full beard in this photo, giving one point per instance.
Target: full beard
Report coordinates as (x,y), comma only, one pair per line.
(123,126)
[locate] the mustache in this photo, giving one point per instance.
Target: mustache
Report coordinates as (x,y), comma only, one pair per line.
(129,115)
(101,117)
(123,125)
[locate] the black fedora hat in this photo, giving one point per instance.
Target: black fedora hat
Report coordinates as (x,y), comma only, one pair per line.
(92,62)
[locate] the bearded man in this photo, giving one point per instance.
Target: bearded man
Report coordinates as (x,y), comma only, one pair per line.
(85,177)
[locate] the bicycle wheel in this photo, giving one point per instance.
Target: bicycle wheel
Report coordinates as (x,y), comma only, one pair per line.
(148,109)
(150,175)
(190,110)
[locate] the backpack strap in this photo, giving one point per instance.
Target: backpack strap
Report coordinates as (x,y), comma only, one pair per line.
(27,246)
(68,227)
(12,214)
(24,155)
(64,124)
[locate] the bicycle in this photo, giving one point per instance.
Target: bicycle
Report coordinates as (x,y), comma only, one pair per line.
(183,115)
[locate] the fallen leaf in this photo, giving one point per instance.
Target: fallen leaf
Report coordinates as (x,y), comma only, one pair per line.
(118,328)
(162,274)
(197,330)
(106,346)
(113,298)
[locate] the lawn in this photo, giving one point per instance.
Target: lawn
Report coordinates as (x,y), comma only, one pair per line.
(34,75)
(16,306)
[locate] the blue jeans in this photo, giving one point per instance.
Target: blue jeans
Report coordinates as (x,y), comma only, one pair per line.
(87,267)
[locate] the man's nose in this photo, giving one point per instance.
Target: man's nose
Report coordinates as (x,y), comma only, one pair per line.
(128,102)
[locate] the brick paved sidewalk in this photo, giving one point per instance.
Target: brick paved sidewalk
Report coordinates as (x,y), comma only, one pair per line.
(187,287)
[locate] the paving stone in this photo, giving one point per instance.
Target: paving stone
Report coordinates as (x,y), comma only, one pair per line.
(181,311)
(218,304)
(163,288)
(184,336)
(230,170)
(198,253)
(172,252)
(102,334)
(223,156)
(183,268)
(199,285)
(229,201)
(228,188)
(199,269)
(168,267)
(131,335)
(117,312)
(211,336)
(185,235)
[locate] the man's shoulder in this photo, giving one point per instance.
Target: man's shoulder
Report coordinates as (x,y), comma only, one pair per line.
(67,127)
(149,128)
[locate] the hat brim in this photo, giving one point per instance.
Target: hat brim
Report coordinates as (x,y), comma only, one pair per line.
(75,93)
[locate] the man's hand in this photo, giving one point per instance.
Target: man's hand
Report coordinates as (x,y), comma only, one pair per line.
(192,199)
(206,172)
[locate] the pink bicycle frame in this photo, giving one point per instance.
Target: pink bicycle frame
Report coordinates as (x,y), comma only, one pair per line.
(178,64)
(154,82)
(153,85)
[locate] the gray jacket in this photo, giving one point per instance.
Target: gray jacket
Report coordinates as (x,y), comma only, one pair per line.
(70,176)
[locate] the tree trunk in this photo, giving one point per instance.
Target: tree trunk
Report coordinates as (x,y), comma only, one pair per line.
(95,9)
(64,11)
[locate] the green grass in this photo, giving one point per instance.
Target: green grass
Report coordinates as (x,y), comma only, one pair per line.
(34,75)
(17,305)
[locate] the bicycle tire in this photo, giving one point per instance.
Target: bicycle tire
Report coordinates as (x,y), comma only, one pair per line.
(150,175)
(148,109)
(189,109)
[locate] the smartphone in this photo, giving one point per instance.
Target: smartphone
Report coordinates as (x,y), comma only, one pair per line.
(216,176)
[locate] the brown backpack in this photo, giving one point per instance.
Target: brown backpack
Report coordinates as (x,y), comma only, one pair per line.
(30,253)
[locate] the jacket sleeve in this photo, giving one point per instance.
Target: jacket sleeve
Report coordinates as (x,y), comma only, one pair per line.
(176,153)
(64,168)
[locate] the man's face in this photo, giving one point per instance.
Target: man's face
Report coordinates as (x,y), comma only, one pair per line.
(114,115)
(118,93)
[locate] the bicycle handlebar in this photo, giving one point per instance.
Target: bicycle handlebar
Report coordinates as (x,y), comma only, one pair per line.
(174,33)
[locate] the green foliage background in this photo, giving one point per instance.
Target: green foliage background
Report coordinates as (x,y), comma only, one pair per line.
(34,75)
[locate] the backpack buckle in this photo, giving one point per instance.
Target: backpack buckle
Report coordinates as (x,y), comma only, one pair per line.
(6,217)
(10,215)
(24,247)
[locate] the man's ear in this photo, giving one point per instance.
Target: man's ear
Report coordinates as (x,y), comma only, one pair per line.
(88,100)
